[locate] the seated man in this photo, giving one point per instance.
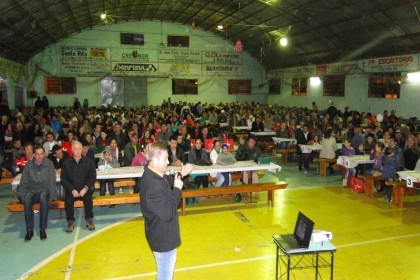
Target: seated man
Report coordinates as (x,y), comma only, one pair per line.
(58,156)
(78,177)
(252,153)
(303,137)
(37,185)
(176,155)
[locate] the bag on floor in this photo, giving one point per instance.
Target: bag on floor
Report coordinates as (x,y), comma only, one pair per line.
(358,185)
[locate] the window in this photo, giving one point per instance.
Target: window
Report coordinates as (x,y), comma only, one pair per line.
(334,85)
(184,86)
(274,86)
(178,41)
(385,85)
(131,39)
(55,85)
(299,86)
(239,86)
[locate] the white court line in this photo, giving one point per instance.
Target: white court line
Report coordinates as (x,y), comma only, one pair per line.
(58,253)
(378,240)
(73,246)
(197,267)
(258,258)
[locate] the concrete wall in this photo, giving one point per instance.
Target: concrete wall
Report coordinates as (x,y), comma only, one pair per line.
(210,89)
(355,97)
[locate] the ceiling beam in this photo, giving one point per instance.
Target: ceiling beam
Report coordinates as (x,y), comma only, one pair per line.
(28,15)
(72,15)
(88,14)
(190,19)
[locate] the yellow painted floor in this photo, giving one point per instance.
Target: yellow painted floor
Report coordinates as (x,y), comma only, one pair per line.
(225,240)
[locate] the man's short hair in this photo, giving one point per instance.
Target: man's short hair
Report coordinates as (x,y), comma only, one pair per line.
(39,148)
(154,149)
(133,134)
(173,137)
(50,133)
(55,148)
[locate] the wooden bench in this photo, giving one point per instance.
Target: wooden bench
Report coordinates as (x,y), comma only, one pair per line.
(369,185)
(16,206)
(259,187)
(236,176)
(340,168)
(266,147)
(135,198)
(6,180)
(283,153)
(323,164)
(399,190)
(120,183)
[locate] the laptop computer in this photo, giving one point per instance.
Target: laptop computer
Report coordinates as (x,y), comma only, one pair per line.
(300,238)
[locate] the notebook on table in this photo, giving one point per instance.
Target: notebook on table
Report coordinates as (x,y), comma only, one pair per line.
(300,238)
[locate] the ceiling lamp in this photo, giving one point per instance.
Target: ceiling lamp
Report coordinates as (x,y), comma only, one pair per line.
(283,42)
(220,27)
(103,15)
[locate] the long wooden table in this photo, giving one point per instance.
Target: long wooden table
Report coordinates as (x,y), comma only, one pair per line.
(137,171)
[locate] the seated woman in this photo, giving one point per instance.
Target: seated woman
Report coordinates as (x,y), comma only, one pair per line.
(226,158)
(214,154)
(106,163)
(199,156)
(283,132)
(146,139)
(377,157)
(329,146)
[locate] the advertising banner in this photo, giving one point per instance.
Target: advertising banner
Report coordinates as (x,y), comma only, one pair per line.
(134,55)
(84,53)
(179,56)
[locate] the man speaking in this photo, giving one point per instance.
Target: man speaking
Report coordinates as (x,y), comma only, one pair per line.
(160,197)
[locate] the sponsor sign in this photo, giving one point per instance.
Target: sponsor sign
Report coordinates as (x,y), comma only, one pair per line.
(85,68)
(134,55)
(225,70)
(180,70)
(134,68)
(84,53)
(179,56)
(222,58)
(390,64)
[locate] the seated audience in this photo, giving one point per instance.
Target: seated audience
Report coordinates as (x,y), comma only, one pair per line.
(37,185)
(106,162)
(198,156)
(329,146)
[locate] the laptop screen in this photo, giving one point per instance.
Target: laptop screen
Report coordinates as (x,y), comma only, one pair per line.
(303,230)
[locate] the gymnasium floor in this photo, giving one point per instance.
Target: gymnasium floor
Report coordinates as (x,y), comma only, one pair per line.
(222,239)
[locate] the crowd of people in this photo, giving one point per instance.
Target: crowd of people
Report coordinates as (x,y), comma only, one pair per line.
(190,131)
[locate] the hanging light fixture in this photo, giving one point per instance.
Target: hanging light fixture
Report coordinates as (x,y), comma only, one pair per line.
(283,42)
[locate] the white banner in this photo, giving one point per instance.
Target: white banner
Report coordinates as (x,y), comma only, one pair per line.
(179,56)
(225,70)
(134,55)
(180,70)
(390,64)
(222,58)
(85,68)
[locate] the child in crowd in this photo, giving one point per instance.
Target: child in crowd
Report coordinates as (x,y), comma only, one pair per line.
(389,171)
(377,157)
(348,151)
(226,158)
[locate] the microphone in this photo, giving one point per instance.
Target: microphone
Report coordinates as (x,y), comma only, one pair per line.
(173,173)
